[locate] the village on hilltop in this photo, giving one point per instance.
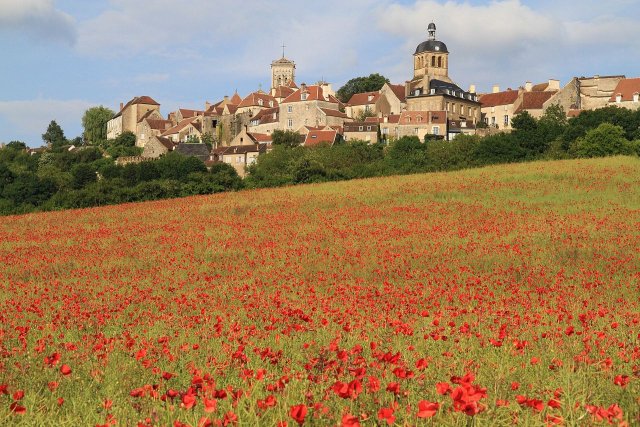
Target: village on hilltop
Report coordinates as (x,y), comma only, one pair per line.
(240,128)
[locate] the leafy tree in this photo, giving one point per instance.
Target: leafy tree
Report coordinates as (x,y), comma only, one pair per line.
(207,138)
(364,114)
(54,136)
(16,145)
(6,175)
(407,155)
(94,122)
(371,83)
(285,138)
(28,189)
(81,175)
(308,170)
(605,140)
(123,146)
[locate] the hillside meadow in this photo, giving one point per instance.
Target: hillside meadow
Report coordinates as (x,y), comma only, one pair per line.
(506,295)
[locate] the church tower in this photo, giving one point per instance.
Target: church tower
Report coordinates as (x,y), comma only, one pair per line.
(431,58)
(283,72)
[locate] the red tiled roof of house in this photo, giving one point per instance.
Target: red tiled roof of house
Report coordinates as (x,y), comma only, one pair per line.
(177,128)
(190,113)
(316,137)
(626,88)
(232,108)
(283,91)
(146,100)
(314,93)
(364,98)
(258,99)
(268,115)
(169,144)
(235,99)
(534,100)
(501,98)
(159,124)
(334,113)
(399,91)
(260,137)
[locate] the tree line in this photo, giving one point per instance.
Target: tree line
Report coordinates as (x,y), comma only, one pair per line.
(62,178)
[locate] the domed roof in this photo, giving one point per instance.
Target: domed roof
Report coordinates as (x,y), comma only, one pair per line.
(431,46)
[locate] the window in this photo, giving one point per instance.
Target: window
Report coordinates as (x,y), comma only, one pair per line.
(635,97)
(290,109)
(419,119)
(506,120)
(493,120)
(385,131)
(360,128)
(436,130)
(439,61)
(369,128)
(290,123)
(260,102)
(304,96)
(618,98)
(240,159)
(433,61)
(415,130)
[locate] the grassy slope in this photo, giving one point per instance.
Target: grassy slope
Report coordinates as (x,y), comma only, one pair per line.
(531,246)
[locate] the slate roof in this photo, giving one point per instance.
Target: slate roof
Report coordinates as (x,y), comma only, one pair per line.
(431,46)
(201,151)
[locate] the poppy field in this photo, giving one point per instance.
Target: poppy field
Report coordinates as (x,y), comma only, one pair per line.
(507,295)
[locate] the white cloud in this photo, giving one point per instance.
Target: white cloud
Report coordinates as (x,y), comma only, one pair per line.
(38,19)
(25,116)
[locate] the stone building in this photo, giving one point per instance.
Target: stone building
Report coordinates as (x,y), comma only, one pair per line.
(431,88)
(157,146)
(152,124)
(127,118)
(627,94)
(309,106)
(361,131)
(283,72)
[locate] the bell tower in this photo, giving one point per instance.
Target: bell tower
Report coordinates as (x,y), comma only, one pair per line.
(283,72)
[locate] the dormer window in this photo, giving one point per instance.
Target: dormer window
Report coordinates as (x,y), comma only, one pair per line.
(419,119)
(636,97)
(260,102)
(271,104)
(619,98)
(304,96)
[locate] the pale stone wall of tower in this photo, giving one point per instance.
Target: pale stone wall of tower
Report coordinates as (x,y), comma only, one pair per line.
(432,64)
(283,72)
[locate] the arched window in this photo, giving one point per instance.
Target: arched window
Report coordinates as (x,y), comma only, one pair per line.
(433,61)
(439,61)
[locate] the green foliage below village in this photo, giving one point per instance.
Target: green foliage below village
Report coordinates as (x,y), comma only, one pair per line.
(63,176)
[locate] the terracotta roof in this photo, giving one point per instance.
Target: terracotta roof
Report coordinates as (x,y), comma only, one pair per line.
(574,113)
(393,118)
(540,87)
(159,124)
(283,91)
(260,137)
(254,99)
(365,98)
(235,99)
(314,93)
(268,115)
(147,100)
(627,88)
(177,128)
(422,117)
(534,100)
(399,91)
(169,144)
(501,98)
(334,113)
(190,113)
(316,137)
(293,85)
(232,108)
(366,127)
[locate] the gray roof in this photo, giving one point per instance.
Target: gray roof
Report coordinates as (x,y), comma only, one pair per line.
(200,151)
(431,46)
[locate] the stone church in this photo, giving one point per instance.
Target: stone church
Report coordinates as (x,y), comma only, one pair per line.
(431,88)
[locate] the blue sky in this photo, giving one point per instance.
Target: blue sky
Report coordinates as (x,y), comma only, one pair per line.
(61,57)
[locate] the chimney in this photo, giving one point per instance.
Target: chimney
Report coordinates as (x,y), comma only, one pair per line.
(496,88)
(121,106)
(472,88)
(554,84)
(528,86)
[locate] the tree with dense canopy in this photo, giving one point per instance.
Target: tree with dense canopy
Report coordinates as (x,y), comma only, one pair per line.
(54,136)
(371,83)
(94,123)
